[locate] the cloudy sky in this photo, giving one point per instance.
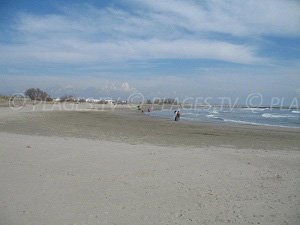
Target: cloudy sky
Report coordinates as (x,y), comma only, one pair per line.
(167,48)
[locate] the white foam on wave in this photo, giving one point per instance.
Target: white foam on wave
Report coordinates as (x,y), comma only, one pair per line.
(258,124)
(269,115)
(214,117)
(295,111)
(243,122)
(210,116)
(255,109)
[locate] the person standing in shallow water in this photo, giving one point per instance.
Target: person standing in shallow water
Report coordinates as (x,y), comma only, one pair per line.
(177,116)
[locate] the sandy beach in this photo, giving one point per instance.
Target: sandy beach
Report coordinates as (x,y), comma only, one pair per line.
(144,112)
(102,166)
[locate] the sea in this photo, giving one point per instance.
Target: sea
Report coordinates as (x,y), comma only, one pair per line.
(254,116)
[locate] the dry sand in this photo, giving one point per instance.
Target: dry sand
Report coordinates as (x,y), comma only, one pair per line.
(122,167)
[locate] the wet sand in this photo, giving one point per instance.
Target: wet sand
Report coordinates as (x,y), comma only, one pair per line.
(132,126)
(96,166)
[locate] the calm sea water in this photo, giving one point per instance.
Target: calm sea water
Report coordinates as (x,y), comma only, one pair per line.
(254,116)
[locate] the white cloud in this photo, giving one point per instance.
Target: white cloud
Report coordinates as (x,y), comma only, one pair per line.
(151,30)
(168,17)
(77,51)
(126,87)
(236,17)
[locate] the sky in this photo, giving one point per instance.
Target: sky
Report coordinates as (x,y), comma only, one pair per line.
(167,48)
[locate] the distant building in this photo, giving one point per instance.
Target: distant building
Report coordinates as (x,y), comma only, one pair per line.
(123,102)
(92,100)
(109,101)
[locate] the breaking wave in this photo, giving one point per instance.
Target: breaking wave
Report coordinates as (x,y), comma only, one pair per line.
(269,115)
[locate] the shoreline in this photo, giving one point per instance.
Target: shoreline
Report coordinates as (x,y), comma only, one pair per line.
(132,126)
(50,106)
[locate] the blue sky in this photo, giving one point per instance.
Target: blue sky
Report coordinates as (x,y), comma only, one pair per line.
(170,48)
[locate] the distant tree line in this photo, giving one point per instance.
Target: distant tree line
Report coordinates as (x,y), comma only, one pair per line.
(37,94)
(68,98)
(164,101)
